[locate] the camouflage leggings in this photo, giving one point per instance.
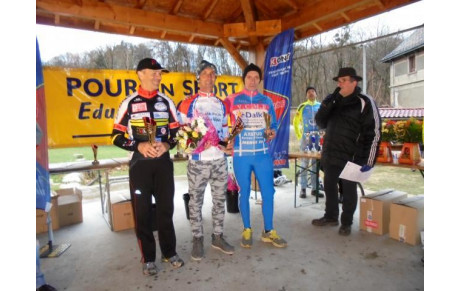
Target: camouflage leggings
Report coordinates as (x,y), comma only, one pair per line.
(199,173)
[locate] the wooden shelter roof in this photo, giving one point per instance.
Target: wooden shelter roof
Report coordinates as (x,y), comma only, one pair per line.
(233,24)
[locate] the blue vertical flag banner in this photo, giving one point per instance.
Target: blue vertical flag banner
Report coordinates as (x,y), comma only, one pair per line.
(42,169)
(277,86)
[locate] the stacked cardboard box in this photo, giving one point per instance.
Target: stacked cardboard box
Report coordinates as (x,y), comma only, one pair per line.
(122,212)
(406,220)
(375,210)
(69,206)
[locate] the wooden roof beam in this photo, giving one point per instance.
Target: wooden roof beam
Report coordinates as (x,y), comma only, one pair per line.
(263,28)
(233,52)
(292,4)
(380,4)
(140,32)
(130,16)
(236,13)
(132,29)
(345,16)
(249,16)
(176,7)
(209,10)
(140,4)
(317,26)
(262,6)
(339,21)
(321,10)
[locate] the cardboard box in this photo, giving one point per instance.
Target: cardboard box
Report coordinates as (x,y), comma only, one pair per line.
(375,210)
(41,217)
(122,213)
(406,220)
(69,202)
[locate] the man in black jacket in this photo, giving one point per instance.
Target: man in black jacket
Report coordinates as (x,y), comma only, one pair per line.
(352,123)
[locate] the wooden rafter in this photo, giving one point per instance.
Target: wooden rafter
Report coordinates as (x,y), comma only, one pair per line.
(262,6)
(249,16)
(132,29)
(131,16)
(317,26)
(321,10)
(140,4)
(236,13)
(292,4)
(176,7)
(244,24)
(209,9)
(262,28)
(380,4)
(344,15)
(233,52)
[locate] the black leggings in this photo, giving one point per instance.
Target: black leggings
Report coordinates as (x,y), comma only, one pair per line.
(153,177)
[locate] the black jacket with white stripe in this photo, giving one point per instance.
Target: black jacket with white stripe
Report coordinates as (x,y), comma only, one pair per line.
(353,129)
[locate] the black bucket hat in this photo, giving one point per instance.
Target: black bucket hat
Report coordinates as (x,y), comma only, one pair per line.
(343,72)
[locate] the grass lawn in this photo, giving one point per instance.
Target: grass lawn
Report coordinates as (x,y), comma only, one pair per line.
(383,177)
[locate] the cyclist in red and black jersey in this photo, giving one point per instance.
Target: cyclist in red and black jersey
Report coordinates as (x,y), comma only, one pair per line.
(150,169)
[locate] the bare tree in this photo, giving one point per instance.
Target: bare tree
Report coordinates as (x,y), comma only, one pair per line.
(316,60)
(316,63)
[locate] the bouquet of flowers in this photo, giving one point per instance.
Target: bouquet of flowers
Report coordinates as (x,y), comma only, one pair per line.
(409,130)
(194,136)
(388,130)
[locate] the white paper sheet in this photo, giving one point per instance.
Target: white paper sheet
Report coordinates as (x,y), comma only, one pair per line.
(352,172)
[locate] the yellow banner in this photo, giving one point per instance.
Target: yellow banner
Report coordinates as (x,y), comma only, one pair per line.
(82,104)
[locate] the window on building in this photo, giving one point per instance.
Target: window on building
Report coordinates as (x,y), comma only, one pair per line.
(419,62)
(412,64)
(400,68)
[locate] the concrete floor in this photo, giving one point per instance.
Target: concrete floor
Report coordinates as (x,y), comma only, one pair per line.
(315,259)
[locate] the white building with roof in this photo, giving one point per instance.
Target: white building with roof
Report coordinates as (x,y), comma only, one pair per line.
(406,72)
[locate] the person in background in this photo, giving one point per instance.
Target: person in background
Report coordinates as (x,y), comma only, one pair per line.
(352,123)
(40,282)
(307,132)
(250,153)
(208,166)
(150,168)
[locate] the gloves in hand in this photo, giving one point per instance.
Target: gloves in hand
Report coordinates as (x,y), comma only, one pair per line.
(365,168)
